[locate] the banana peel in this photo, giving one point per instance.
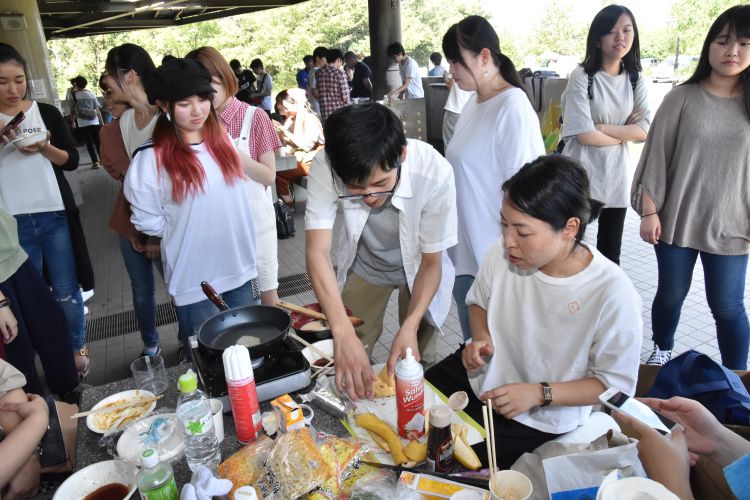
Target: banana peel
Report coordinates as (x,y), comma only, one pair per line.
(416,451)
(462,451)
(371,422)
(384,386)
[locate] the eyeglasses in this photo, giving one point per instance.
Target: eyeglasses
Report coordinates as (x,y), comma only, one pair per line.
(377,194)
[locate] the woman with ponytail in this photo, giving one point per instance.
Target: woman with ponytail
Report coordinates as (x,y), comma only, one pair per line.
(496,134)
(554,323)
(187,187)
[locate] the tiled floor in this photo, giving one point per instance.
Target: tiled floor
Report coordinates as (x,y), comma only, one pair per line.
(110,358)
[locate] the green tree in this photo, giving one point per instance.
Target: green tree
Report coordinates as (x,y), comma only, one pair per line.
(556,32)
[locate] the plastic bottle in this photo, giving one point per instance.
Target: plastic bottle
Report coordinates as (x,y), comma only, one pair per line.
(155,480)
(410,396)
(243,396)
(439,441)
(194,414)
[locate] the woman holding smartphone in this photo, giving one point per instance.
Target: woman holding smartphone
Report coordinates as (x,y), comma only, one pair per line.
(187,188)
(605,106)
(691,189)
(33,189)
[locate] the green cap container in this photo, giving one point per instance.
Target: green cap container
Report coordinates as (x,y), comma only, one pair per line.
(188,382)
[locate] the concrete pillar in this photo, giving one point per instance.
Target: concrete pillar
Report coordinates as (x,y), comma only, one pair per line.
(21,27)
(385,28)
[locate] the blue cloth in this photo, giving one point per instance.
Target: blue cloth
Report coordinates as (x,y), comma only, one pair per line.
(724,277)
(460,288)
(303,77)
(141,272)
(192,316)
(737,475)
(46,239)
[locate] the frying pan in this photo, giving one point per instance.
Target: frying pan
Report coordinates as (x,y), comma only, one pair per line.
(261,329)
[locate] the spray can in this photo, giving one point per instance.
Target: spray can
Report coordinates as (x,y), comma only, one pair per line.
(410,396)
(243,397)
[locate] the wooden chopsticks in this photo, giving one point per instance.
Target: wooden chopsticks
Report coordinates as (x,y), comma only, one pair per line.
(312,347)
(314,314)
(489,436)
(105,409)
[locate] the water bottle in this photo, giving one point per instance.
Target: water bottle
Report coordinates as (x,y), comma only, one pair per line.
(155,479)
(410,397)
(194,414)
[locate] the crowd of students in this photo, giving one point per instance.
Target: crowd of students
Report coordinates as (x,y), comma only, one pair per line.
(550,322)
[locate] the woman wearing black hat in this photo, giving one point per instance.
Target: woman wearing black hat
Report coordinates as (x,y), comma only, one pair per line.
(186,187)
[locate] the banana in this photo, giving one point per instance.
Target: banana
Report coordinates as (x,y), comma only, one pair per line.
(370,422)
(416,451)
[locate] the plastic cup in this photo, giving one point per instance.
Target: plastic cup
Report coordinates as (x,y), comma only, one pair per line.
(150,374)
(217,412)
(510,485)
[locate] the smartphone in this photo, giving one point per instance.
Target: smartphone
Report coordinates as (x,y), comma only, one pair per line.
(15,122)
(617,401)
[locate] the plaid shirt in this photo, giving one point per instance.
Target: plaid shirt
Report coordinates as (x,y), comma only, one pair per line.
(333,89)
(263,136)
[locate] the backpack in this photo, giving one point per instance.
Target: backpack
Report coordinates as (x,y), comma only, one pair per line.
(633,75)
(83,108)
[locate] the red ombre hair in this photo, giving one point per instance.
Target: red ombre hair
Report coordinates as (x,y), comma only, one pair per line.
(180,162)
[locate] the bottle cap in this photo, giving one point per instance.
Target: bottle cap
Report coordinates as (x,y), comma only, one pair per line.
(245,493)
(188,381)
(440,416)
(149,458)
(408,367)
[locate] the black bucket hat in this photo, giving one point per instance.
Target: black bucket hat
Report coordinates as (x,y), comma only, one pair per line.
(178,79)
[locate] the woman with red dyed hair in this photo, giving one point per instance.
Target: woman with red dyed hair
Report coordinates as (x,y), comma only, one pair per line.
(187,187)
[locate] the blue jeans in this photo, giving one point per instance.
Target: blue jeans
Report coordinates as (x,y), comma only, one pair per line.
(46,239)
(724,277)
(192,316)
(460,289)
(141,272)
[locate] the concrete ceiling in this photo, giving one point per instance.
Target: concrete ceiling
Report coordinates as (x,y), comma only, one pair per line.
(75,18)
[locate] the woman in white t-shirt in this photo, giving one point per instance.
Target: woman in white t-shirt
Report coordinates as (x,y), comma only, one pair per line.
(187,188)
(554,323)
(495,135)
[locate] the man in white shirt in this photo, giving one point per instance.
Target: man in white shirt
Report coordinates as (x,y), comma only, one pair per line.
(319,61)
(411,87)
(399,207)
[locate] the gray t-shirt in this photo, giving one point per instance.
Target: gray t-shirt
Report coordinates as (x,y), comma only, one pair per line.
(695,165)
(378,259)
(613,101)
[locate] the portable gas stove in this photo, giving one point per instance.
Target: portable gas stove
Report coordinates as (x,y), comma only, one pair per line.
(278,373)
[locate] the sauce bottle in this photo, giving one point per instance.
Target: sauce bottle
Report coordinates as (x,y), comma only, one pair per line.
(439,440)
(243,397)
(410,396)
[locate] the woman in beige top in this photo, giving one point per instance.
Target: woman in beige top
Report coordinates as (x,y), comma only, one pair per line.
(691,189)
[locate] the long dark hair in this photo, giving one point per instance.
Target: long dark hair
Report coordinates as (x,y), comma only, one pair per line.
(603,22)
(737,19)
(553,189)
(125,57)
(473,34)
(8,53)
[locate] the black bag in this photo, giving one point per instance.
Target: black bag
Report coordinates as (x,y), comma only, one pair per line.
(284,220)
(52,450)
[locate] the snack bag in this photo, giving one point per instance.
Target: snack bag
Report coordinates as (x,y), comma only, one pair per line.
(246,466)
(341,454)
(297,464)
(551,127)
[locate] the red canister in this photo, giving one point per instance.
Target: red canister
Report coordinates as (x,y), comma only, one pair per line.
(410,396)
(243,397)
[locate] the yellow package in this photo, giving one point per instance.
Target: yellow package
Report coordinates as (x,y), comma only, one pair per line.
(340,454)
(246,466)
(288,413)
(551,127)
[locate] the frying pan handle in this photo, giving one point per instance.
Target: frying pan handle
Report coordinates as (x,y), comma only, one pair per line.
(213,296)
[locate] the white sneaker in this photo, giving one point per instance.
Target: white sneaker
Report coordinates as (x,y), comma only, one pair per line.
(87,295)
(85,310)
(659,357)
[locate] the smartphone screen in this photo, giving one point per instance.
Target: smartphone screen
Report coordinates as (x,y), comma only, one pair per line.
(634,408)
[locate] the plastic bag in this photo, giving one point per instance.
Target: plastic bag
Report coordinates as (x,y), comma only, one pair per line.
(382,484)
(297,465)
(551,126)
(247,465)
(341,455)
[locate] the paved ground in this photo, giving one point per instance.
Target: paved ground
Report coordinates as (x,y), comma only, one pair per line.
(110,358)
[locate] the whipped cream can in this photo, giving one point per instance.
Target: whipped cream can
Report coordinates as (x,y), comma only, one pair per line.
(243,397)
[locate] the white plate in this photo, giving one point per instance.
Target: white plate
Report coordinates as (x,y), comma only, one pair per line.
(127,395)
(324,346)
(93,477)
(170,441)
(28,140)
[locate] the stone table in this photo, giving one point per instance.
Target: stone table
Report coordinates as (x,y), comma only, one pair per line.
(89,451)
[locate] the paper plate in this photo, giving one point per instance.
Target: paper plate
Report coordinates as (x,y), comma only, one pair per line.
(93,477)
(324,346)
(124,395)
(29,140)
(160,431)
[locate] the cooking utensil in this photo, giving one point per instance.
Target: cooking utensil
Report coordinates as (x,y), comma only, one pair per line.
(315,314)
(261,329)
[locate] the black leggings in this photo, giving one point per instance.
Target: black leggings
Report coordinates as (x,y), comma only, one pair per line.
(609,237)
(512,439)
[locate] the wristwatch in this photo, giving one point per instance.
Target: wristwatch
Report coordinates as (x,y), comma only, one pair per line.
(547,392)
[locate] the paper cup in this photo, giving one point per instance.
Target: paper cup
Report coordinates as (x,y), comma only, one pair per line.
(634,488)
(217,412)
(510,485)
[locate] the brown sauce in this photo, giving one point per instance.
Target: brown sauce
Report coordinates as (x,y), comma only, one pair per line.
(111,491)
(321,362)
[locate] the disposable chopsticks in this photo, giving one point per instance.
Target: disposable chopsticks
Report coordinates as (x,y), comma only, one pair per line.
(489,436)
(105,409)
(312,347)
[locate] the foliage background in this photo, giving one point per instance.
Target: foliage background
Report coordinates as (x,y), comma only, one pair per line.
(282,36)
